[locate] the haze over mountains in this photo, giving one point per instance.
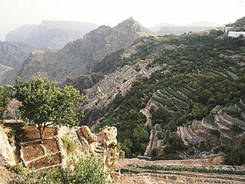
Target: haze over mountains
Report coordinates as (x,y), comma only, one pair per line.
(169,28)
(79,57)
(50,34)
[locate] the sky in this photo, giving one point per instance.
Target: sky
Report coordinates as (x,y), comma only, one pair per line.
(14,13)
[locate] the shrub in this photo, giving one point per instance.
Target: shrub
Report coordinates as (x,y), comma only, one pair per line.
(88,170)
(5,97)
(174,144)
(236,156)
(69,144)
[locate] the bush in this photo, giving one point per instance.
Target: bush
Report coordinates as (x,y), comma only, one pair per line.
(236,156)
(174,144)
(160,116)
(5,97)
(88,170)
(69,144)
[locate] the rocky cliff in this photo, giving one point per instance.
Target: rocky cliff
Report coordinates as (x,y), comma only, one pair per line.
(13,54)
(50,34)
(79,57)
(53,152)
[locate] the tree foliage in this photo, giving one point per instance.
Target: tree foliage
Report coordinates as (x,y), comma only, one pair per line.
(5,97)
(44,104)
(197,74)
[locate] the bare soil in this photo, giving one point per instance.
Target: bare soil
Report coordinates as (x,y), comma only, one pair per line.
(46,161)
(32,151)
(31,133)
(51,145)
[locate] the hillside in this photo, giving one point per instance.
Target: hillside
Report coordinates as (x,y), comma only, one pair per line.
(50,34)
(79,57)
(13,54)
(173,96)
(239,25)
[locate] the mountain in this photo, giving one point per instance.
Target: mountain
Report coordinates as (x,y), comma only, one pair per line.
(79,57)
(171,97)
(239,25)
(50,34)
(13,54)
(168,28)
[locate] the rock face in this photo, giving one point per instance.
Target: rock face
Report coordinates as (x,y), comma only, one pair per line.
(13,54)
(36,154)
(6,151)
(79,57)
(104,142)
(50,34)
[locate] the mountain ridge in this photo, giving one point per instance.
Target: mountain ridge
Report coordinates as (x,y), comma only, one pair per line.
(50,34)
(79,57)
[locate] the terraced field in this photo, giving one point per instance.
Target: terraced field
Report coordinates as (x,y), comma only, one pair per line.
(198,74)
(177,172)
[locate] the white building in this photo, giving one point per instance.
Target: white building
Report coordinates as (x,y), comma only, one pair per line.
(235,34)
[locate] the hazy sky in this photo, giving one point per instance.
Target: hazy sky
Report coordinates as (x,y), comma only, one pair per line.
(14,13)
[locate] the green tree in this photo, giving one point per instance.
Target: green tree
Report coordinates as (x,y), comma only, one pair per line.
(175,143)
(160,116)
(44,104)
(5,97)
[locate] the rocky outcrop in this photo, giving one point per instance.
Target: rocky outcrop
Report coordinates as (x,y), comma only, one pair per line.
(52,152)
(7,155)
(50,34)
(79,57)
(103,143)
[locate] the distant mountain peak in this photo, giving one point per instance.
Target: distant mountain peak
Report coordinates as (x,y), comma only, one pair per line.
(132,25)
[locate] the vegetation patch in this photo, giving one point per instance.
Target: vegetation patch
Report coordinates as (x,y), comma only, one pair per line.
(88,170)
(69,144)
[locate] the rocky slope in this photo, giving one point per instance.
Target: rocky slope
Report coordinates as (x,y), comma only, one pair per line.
(239,25)
(13,54)
(79,57)
(53,152)
(50,34)
(184,76)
